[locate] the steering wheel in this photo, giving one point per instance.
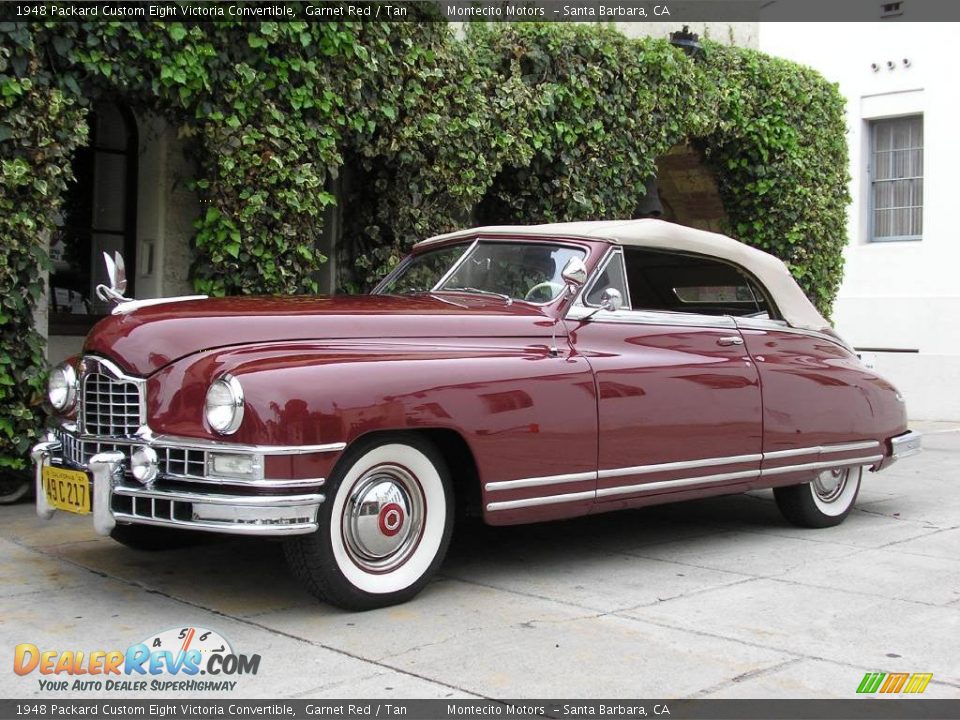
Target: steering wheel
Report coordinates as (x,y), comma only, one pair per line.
(553,287)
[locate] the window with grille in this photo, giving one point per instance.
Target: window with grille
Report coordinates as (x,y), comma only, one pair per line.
(896,179)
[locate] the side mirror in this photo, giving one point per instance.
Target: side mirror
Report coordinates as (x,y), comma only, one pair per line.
(574,273)
(611,300)
(117,274)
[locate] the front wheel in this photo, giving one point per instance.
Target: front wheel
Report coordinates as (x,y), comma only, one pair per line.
(823,502)
(384,528)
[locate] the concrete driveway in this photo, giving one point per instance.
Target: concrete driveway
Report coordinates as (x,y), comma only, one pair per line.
(714,598)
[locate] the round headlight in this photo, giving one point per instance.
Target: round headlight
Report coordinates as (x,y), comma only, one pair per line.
(62,387)
(144,464)
(224,405)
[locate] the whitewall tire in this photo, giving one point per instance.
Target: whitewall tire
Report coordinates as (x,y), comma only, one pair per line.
(823,502)
(384,527)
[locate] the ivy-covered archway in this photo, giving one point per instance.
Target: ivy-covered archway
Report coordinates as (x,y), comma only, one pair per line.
(514,123)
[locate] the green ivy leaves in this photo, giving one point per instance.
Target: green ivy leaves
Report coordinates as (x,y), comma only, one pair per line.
(42,125)
(780,151)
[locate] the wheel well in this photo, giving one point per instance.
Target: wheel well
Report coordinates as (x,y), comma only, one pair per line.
(460,461)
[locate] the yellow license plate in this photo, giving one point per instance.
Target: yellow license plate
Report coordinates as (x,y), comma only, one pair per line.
(66,489)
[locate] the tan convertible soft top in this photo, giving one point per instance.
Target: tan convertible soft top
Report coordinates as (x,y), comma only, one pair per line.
(789,298)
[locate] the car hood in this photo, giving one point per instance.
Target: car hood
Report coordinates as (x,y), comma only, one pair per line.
(146,339)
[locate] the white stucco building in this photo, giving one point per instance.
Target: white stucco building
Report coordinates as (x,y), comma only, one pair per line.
(900,299)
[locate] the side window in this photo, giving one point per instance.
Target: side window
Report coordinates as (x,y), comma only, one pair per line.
(611,277)
(677,282)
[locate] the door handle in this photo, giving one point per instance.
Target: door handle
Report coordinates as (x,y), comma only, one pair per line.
(730,340)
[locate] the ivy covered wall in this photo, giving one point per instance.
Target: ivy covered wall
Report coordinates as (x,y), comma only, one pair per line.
(513,123)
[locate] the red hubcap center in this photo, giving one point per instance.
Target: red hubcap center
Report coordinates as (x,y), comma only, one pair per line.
(391,519)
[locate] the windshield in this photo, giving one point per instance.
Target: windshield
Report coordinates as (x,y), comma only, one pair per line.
(519,271)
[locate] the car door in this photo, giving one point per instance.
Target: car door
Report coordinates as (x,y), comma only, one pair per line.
(678,397)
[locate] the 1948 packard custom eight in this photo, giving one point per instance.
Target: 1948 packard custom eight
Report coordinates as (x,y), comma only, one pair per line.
(522,373)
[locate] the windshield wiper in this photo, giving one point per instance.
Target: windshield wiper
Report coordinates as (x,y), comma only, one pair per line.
(479,292)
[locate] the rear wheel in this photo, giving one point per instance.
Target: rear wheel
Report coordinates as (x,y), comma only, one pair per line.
(384,528)
(823,502)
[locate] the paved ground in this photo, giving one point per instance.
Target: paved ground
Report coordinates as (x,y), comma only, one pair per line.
(715,598)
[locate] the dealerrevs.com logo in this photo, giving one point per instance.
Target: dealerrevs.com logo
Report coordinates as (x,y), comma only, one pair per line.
(173,660)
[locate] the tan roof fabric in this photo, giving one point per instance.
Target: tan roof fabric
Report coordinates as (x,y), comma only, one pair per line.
(658,234)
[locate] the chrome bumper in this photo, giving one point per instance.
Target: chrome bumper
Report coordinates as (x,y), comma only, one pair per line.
(901,446)
(905,445)
(117,501)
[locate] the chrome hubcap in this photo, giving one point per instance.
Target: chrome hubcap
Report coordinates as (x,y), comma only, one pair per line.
(829,484)
(383,518)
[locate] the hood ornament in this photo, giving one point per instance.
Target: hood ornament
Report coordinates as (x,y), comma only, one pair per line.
(117,274)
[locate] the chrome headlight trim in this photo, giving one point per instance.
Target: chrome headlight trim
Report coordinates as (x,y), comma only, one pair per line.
(224,411)
(63,387)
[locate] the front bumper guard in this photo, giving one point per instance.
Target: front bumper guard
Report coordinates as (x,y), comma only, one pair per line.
(263,515)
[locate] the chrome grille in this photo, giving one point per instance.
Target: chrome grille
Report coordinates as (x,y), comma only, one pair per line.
(78,452)
(110,407)
(151,508)
(180,462)
(174,462)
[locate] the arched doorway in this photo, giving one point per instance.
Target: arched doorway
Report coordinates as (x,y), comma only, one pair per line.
(99,215)
(684,191)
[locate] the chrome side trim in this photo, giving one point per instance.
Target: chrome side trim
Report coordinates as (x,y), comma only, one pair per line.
(667,484)
(795,452)
(849,447)
(822,449)
(652,317)
(545,500)
(821,465)
(537,481)
(684,465)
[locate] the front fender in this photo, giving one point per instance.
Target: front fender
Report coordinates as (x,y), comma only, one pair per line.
(524,412)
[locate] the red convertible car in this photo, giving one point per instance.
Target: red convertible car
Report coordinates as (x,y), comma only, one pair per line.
(520,373)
